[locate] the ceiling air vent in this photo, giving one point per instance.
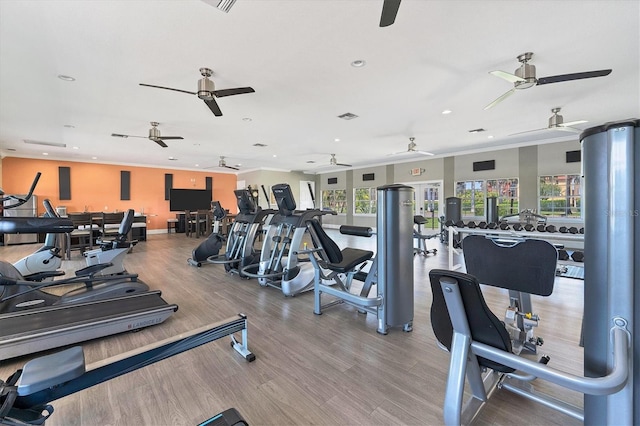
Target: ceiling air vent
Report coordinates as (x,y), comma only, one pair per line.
(348,116)
(59,145)
(477,130)
(261,145)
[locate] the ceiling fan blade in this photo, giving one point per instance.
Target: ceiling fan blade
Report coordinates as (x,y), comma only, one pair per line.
(530,131)
(500,99)
(229,92)
(168,88)
(576,76)
(159,142)
(389,12)
(344,165)
(573,123)
(232,168)
(506,76)
(118,135)
(424,152)
(213,106)
(565,128)
(169,137)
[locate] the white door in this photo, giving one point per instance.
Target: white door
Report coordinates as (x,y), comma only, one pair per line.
(429,202)
(307,187)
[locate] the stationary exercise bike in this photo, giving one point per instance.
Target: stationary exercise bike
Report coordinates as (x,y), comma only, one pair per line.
(44,260)
(212,245)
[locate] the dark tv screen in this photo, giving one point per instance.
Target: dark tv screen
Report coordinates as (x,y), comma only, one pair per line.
(189,199)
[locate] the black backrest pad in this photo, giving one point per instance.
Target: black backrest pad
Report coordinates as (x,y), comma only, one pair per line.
(528,265)
(331,249)
(485,327)
(127,222)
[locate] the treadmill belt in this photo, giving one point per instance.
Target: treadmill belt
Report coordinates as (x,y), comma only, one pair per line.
(47,318)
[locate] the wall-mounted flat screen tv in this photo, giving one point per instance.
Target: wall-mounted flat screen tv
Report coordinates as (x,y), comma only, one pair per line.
(189,199)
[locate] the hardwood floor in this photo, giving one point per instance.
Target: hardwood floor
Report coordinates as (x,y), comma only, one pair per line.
(332,369)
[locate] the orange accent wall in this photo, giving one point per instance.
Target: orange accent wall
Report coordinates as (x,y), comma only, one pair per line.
(96,187)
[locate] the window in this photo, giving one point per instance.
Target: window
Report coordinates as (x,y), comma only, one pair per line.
(335,199)
(560,196)
(364,200)
(473,194)
(506,192)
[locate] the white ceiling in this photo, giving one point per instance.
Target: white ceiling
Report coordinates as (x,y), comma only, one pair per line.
(296,54)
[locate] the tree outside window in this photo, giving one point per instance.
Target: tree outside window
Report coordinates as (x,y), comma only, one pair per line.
(364,201)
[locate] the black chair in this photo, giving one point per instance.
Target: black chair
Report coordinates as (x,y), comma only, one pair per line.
(121,239)
(81,238)
(110,225)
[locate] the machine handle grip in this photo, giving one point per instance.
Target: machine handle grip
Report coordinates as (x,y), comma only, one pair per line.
(358,231)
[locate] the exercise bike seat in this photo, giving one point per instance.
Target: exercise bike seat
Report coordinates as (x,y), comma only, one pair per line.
(337,260)
(51,370)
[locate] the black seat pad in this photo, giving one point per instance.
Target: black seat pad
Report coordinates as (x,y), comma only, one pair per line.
(351,257)
(485,327)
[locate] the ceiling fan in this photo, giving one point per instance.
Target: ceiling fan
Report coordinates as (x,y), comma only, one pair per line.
(556,122)
(206,91)
(154,135)
(334,162)
(223,163)
(389,12)
(412,148)
(525,77)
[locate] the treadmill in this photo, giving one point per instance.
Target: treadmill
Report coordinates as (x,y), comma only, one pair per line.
(37,329)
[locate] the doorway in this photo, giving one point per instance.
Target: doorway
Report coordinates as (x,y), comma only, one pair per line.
(428,202)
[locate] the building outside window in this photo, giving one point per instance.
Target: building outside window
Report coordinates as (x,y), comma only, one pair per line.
(335,199)
(506,192)
(560,196)
(365,200)
(473,195)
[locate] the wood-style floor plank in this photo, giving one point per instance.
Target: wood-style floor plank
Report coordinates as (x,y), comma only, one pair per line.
(329,369)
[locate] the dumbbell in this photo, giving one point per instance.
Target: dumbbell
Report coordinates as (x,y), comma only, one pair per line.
(528,227)
(550,228)
(517,227)
(540,228)
(504,226)
(577,256)
(563,229)
(581,230)
(459,224)
(482,225)
(492,225)
(563,255)
(573,230)
(471,224)
(448,223)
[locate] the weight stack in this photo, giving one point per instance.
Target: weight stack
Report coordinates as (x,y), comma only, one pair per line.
(611,164)
(395,255)
(453,212)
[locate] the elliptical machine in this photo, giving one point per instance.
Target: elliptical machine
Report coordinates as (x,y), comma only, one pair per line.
(280,266)
(240,250)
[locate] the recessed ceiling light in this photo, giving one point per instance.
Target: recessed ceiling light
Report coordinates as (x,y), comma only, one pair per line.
(358,63)
(274,155)
(446,111)
(75,147)
(66,77)
(45,153)
(197,165)
(490,137)
(94,158)
(173,159)
(337,140)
